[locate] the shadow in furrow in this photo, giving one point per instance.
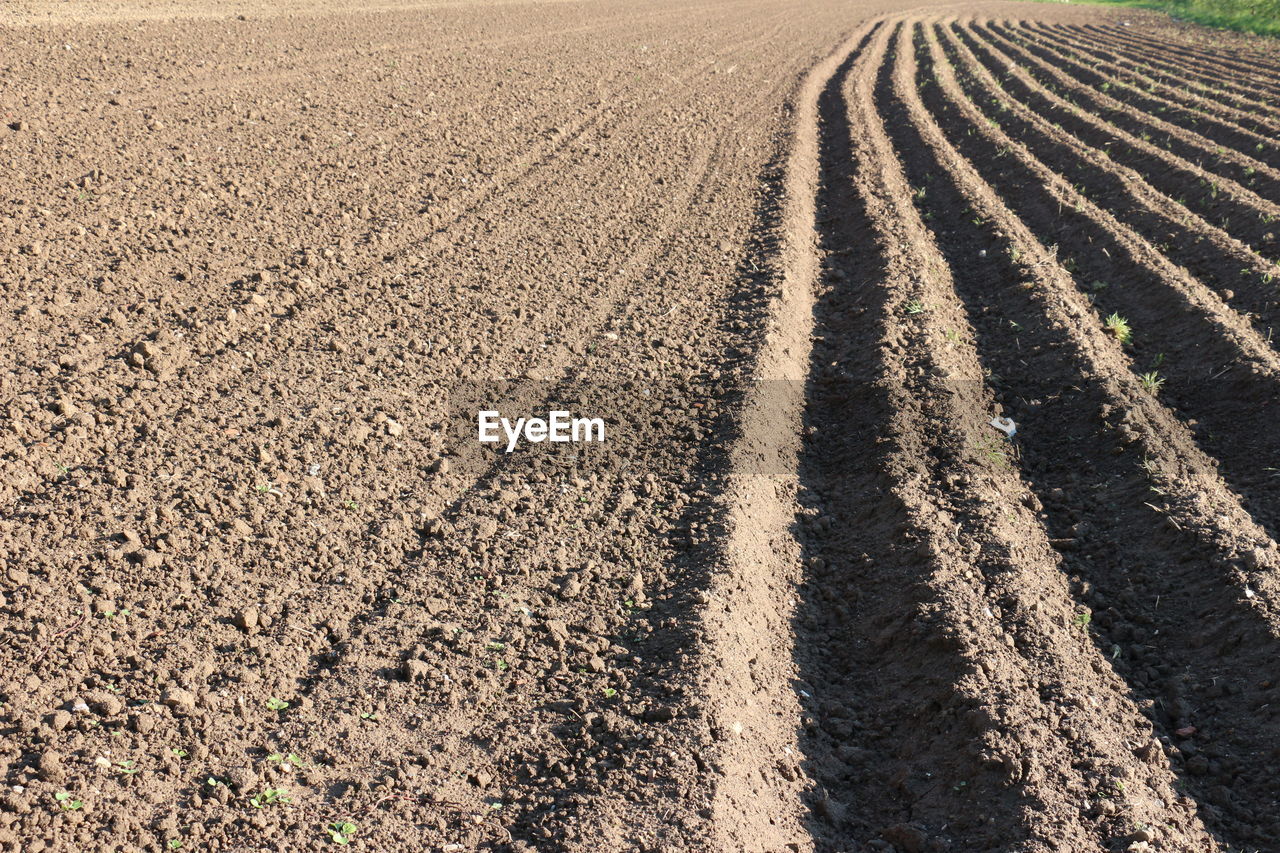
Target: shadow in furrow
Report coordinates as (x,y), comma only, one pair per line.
(1118,134)
(889,740)
(1238,66)
(1193,655)
(1181,84)
(1209,255)
(1207,380)
(1216,131)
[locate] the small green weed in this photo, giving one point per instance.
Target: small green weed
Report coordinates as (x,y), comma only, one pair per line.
(1119,326)
(66,802)
(270,797)
(341,831)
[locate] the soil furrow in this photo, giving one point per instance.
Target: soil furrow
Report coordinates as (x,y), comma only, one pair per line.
(1236,67)
(1257,149)
(1148,53)
(968,550)
(1179,80)
(1235,208)
(1191,92)
(877,539)
(1052,365)
(1245,281)
(1197,355)
(1201,78)
(262,588)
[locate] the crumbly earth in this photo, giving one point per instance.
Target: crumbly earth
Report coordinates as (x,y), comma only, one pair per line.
(261,588)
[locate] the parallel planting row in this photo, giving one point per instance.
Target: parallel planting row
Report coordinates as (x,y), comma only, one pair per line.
(1068,635)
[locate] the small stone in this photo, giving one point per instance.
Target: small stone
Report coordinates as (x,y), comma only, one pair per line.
(51,767)
(660,714)
(180,701)
(246,619)
(559,632)
(242,778)
(1256,558)
(106,704)
(907,838)
(415,670)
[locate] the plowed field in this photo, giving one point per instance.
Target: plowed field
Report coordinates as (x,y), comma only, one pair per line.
(935,345)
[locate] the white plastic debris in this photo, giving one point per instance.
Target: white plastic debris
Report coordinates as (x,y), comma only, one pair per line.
(1005,425)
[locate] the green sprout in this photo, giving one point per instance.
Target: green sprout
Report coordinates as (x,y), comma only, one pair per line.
(1119,326)
(67,802)
(270,797)
(277,704)
(291,758)
(341,831)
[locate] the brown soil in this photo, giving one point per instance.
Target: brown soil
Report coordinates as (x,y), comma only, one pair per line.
(260,588)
